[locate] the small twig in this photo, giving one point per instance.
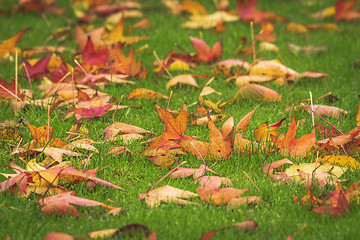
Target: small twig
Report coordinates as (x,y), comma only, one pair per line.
(199,153)
(48,124)
(16,72)
(173,170)
(324,119)
(27,75)
(15,96)
(86,162)
(252,47)
(113,116)
(114,202)
(252,39)
(246,214)
(252,182)
(312,108)
(162,65)
(322,96)
(342,147)
(291,236)
(82,69)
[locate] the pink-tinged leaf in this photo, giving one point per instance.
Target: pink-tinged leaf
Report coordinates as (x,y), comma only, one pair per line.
(60,208)
(38,69)
(92,112)
(20,180)
(325,110)
(269,167)
(196,172)
(58,236)
(256,92)
(248,226)
(237,202)
(94,57)
(8,90)
(68,172)
(344,11)
(205,53)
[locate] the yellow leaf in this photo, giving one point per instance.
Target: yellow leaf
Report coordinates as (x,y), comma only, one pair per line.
(342,161)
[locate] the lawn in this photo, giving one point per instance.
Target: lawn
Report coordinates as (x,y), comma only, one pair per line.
(277,215)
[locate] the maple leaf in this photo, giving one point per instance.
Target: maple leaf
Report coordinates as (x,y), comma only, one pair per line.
(126,65)
(279,176)
(43,136)
(247,11)
(10,90)
(213,194)
(183,79)
(96,38)
(166,194)
(196,172)
(7,46)
(205,53)
(315,173)
(323,110)
(210,20)
(175,130)
(267,34)
(221,142)
(117,35)
(295,147)
(94,57)
(343,10)
(143,93)
(255,92)
(112,130)
(39,68)
(60,204)
(336,205)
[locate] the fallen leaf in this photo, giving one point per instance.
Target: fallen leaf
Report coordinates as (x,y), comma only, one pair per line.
(241,226)
(7,46)
(221,142)
(142,93)
(193,7)
(219,196)
(196,172)
(295,147)
(183,79)
(58,236)
(94,57)
(117,127)
(117,35)
(205,53)
(166,194)
(210,20)
(344,11)
(341,160)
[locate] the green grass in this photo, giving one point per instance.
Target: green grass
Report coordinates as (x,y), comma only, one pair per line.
(277,217)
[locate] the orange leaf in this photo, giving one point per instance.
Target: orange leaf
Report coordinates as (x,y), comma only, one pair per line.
(175,129)
(142,93)
(7,46)
(205,53)
(343,10)
(221,142)
(292,146)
